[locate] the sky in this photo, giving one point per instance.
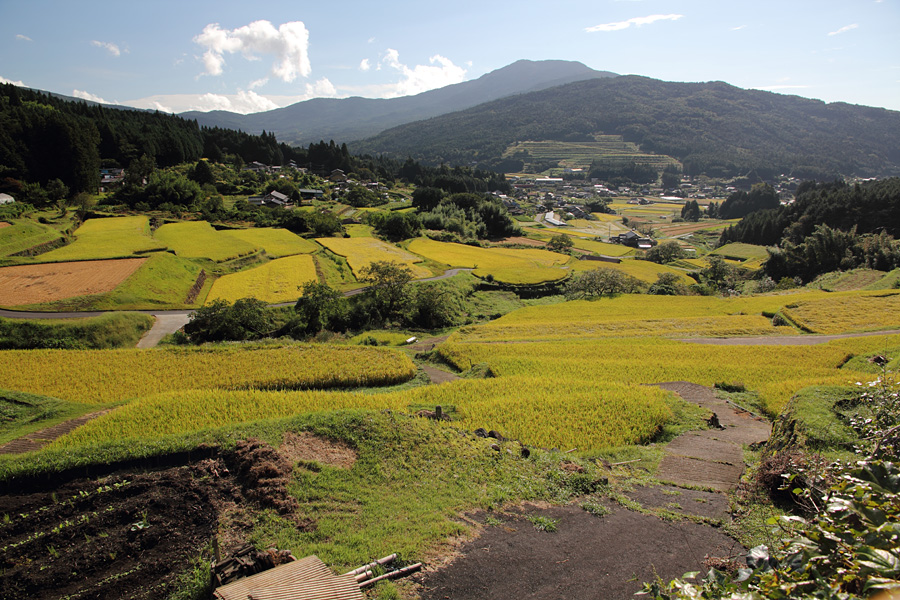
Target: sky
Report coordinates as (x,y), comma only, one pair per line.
(258,55)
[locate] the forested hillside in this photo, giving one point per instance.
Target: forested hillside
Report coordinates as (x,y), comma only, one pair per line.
(712,128)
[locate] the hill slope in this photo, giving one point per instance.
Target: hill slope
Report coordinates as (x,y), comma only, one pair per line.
(712,127)
(357,118)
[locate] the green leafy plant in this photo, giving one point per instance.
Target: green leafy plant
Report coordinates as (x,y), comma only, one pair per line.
(543,523)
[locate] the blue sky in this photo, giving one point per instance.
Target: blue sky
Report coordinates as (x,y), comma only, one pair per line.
(256,55)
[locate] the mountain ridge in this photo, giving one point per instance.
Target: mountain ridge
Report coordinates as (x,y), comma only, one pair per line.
(355,118)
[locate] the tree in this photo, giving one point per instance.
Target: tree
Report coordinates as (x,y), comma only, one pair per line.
(435,305)
(601,282)
(668,284)
(319,307)
(388,282)
(202,174)
(427,198)
(83,203)
(664,252)
(560,243)
(219,321)
(396,226)
(690,211)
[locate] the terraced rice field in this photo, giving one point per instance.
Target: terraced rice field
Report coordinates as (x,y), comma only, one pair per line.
(114,237)
(641,269)
(361,252)
(509,265)
(25,234)
(273,282)
(863,312)
(276,242)
(740,251)
(33,284)
(198,239)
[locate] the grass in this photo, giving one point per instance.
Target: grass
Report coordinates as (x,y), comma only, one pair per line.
(276,242)
(277,281)
(113,330)
(114,237)
(740,251)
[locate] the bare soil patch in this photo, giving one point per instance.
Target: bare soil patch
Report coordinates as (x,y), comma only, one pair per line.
(32,284)
(587,557)
(5,224)
(305,446)
(438,376)
(130,533)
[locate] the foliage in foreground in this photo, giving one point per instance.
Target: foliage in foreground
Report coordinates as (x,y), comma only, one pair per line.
(848,547)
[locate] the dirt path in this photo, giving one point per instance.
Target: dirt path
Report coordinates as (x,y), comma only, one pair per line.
(163,326)
(39,439)
(785,340)
(711,458)
(609,557)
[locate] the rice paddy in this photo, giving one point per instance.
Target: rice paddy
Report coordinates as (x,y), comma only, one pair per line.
(277,281)
(362,251)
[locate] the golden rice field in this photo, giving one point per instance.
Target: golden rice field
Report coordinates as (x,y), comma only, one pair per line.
(362,251)
(114,237)
(276,242)
(277,281)
(509,265)
(641,269)
(198,239)
(102,376)
(869,312)
(602,248)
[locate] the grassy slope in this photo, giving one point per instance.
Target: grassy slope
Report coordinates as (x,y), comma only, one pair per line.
(114,330)
(22,413)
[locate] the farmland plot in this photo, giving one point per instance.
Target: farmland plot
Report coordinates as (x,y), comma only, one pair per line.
(362,251)
(197,239)
(644,270)
(510,265)
(273,282)
(33,284)
(114,237)
(25,234)
(870,312)
(276,242)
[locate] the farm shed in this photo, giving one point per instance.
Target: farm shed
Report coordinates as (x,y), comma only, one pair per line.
(304,579)
(6,199)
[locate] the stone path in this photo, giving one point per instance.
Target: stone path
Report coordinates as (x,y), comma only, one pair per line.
(39,439)
(711,458)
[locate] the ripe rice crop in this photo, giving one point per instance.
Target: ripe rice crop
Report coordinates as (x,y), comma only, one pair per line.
(870,312)
(641,269)
(197,239)
(510,265)
(361,252)
(276,242)
(114,237)
(273,282)
(98,376)
(602,247)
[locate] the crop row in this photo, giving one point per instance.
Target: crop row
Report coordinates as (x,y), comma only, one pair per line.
(102,376)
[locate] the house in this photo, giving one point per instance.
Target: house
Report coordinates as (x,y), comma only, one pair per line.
(337,175)
(273,198)
(6,199)
(311,194)
(257,167)
(634,240)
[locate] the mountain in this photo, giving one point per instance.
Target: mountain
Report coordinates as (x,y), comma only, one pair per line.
(357,118)
(714,128)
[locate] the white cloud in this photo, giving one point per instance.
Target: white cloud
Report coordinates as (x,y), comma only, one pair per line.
(637,22)
(739,27)
(24,38)
(89,96)
(108,46)
(422,78)
(10,81)
(844,29)
(776,88)
(289,44)
(365,65)
(321,89)
(259,83)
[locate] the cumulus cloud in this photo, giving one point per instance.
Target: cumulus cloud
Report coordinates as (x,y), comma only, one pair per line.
(24,38)
(89,96)
(844,29)
(289,45)
(108,46)
(421,78)
(365,65)
(11,82)
(637,22)
(321,89)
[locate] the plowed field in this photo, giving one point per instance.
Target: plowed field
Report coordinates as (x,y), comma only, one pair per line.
(31,284)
